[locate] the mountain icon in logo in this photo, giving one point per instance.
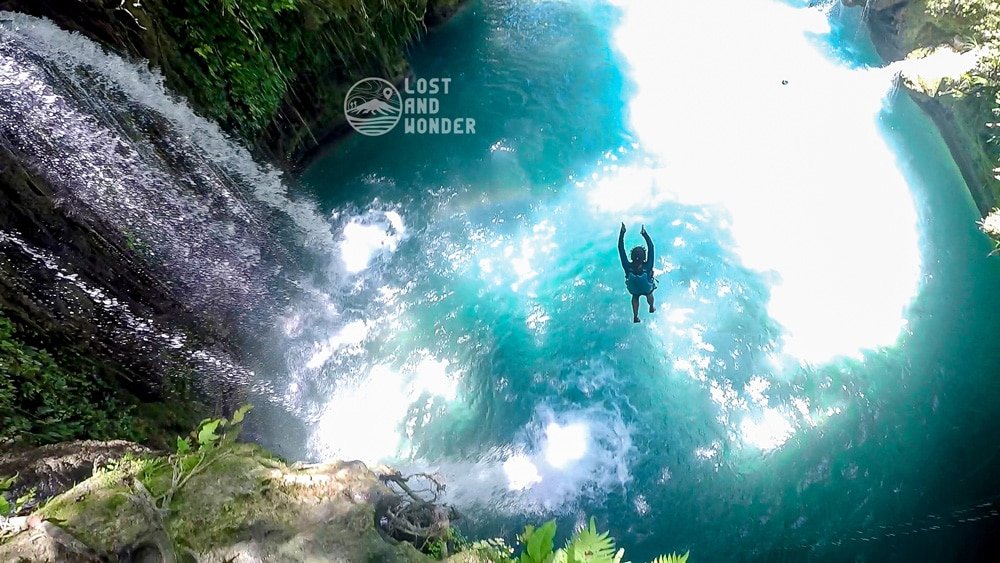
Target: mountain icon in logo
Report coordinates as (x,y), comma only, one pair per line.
(373,106)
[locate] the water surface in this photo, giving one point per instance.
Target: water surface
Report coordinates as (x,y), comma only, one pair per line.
(819,378)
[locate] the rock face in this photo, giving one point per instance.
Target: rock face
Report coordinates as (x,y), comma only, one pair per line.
(240,504)
(59,266)
(53,469)
(898,29)
(47,543)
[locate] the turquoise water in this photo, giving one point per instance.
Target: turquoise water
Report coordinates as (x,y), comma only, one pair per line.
(820,370)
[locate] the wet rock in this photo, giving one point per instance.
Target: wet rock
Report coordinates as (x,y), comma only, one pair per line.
(53,469)
(240,505)
(438,11)
(48,543)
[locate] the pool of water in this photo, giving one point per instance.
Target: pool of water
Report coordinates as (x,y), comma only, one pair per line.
(819,378)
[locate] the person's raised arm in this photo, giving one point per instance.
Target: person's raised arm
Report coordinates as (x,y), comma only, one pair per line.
(621,248)
(649,244)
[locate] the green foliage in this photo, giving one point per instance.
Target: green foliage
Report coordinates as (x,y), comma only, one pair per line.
(437,548)
(590,546)
(975,24)
(6,508)
(206,435)
(194,453)
(244,55)
(494,550)
(448,542)
(672,558)
(43,401)
(587,545)
(538,543)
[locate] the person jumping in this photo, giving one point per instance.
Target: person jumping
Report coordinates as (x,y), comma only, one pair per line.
(638,272)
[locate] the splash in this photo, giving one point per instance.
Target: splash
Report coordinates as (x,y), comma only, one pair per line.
(561,458)
(351,426)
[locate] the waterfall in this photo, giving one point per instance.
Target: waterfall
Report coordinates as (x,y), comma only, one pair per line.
(867,10)
(113,141)
(120,152)
(942,65)
(131,331)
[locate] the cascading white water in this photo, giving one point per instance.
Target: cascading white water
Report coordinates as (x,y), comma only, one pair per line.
(113,143)
(125,326)
(112,139)
(220,227)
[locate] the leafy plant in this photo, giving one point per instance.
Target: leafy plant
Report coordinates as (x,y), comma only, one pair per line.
(538,543)
(977,22)
(494,550)
(46,400)
(587,545)
(8,509)
(5,507)
(242,57)
(195,453)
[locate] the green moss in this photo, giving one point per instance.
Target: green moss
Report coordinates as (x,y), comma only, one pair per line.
(239,501)
(215,506)
(974,99)
(106,511)
(240,494)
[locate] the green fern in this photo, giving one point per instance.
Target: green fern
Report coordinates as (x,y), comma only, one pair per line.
(587,545)
(672,558)
(590,546)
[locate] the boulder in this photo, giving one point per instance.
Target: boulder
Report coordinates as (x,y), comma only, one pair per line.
(233,503)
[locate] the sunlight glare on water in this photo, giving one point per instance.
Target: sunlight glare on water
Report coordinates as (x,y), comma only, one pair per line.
(794,211)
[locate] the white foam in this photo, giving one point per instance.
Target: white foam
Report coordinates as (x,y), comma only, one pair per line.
(365,237)
(146,87)
(369,417)
(767,431)
(560,458)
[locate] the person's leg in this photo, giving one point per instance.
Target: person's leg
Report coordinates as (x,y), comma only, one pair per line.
(635,308)
(649,299)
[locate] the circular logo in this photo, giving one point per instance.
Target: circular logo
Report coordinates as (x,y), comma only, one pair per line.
(373,106)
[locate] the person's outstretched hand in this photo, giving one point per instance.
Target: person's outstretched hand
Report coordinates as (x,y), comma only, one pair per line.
(623,228)
(643,230)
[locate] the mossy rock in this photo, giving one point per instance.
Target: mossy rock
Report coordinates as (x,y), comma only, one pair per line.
(243,503)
